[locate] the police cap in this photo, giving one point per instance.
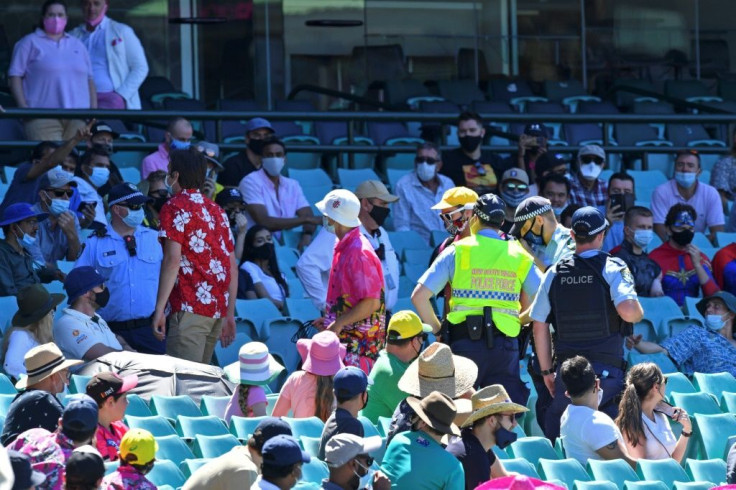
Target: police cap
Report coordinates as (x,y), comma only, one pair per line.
(490,209)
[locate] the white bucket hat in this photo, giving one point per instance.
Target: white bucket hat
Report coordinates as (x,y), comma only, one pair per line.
(342,206)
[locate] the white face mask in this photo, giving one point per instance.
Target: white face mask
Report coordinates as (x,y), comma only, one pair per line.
(273,165)
(714,322)
(590,170)
(366,481)
(327,226)
(426,171)
(600,396)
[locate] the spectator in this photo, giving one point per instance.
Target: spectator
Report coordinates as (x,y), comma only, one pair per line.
(245,162)
(724,268)
(566,215)
(638,232)
(118,73)
(556,188)
(128,256)
(549,243)
(177,137)
(154,186)
(25,476)
(51,70)
(211,154)
(588,433)
(32,325)
(469,165)
(347,457)
(685,189)
(514,188)
(254,369)
(58,237)
(49,451)
(238,468)
(261,264)
(84,469)
(418,191)
(37,406)
(643,406)
(490,424)
(102,136)
(723,178)
(282,464)
(586,188)
(355,310)
(411,450)
(404,338)
(17,270)
(349,385)
(199,272)
(309,391)
(686,269)
(532,148)
(110,392)
(549,164)
(137,458)
(701,350)
(90,175)
(621,185)
(80,331)
(275,201)
(231,201)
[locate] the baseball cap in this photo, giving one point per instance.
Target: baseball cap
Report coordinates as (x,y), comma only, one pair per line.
(406,324)
(341,205)
(126,192)
(56,178)
(271,427)
(138,447)
(103,127)
(85,466)
(283,450)
(370,189)
(592,150)
(210,151)
(25,475)
(80,414)
(588,221)
(490,209)
(257,123)
(515,174)
(684,218)
(106,384)
(548,161)
(227,196)
(536,129)
(457,196)
(527,209)
(80,280)
(343,447)
(350,381)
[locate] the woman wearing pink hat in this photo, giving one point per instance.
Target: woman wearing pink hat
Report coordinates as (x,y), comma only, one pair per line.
(254,369)
(308,392)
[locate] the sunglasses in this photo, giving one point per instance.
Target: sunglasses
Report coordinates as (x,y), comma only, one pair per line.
(132,207)
(206,151)
(430,161)
(517,187)
(591,159)
(60,193)
(452,216)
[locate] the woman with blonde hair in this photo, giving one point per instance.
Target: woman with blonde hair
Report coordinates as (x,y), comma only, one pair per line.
(643,413)
(254,369)
(32,325)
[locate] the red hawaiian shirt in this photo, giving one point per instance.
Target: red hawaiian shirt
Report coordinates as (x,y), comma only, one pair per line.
(108,443)
(357,274)
(202,229)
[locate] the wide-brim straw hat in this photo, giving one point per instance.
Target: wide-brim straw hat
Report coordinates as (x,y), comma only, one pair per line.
(322,355)
(438,369)
(255,366)
(43,361)
(491,400)
(437,410)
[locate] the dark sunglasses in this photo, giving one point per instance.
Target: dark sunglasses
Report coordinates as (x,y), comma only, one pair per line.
(159,193)
(132,207)
(591,159)
(206,151)
(60,193)
(428,160)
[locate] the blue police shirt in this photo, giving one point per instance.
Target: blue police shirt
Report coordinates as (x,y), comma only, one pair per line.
(132,281)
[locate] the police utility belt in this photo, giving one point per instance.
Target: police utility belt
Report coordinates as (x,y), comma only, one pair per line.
(474,327)
(124,325)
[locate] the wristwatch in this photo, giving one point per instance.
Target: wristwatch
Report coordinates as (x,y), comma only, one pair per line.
(547,371)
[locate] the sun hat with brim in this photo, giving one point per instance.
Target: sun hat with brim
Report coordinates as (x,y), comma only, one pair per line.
(19,212)
(34,303)
(490,400)
(437,410)
(322,355)
(255,366)
(41,362)
(518,482)
(728,298)
(342,206)
(438,369)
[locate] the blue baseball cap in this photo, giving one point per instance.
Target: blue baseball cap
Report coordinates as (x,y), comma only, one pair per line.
(20,211)
(80,413)
(588,221)
(126,193)
(283,450)
(258,123)
(80,280)
(349,382)
(271,427)
(25,475)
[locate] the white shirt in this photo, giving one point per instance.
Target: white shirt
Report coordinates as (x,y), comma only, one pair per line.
(257,275)
(660,441)
(413,211)
(75,333)
(585,431)
(95,43)
(258,188)
(313,267)
(20,342)
(87,193)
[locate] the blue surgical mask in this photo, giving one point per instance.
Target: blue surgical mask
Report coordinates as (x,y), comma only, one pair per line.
(169,187)
(513,199)
(426,171)
(685,179)
(505,437)
(179,145)
(643,237)
(100,176)
(58,206)
(558,211)
(26,241)
(714,322)
(327,226)
(366,481)
(273,165)
(600,396)
(134,218)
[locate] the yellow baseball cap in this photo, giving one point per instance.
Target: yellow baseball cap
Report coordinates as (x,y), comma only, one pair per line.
(138,447)
(406,324)
(457,196)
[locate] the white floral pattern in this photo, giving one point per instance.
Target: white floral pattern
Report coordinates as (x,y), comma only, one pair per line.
(217,269)
(185,265)
(207,218)
(196,242)
(204,294)
(181,219)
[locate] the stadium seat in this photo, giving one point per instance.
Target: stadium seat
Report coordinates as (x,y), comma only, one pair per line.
(406,239)
(696,403)
(213,446)
(243,427)
(166,473)
(5,401)
(532,449)
(660,359)
(257,311)
(351,178)
(271,398)
(315,471)
(462,92)
(78,383)
(155,424)
(137,406)
(414,271)
(280,332)
(310,426)
(692,309)
(310,445)
(689,90)
(713,431)
(311,178)
(728,402)
(725,238)
(566,470)
(710,470)
(667,471)
(369,429)
(594,485)
(189,466)
(214,405)
(521,466)
(627,99)
(660,309)
(171,447)
(384,424)
(394,174)
(417,256)
(172,406)
(302,309)
(228,355)
(678,382)
(582,133)
(208,425)
(714,383)
(617,471)
(500,453)
(111,466)
(645,485)
(7,386)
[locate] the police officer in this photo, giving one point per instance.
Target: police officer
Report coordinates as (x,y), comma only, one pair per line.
(536,227)
(590,298)
(493,282)
(128,255)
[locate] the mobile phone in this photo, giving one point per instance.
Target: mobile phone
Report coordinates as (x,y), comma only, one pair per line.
(623,201)
(667,409)
(87,204)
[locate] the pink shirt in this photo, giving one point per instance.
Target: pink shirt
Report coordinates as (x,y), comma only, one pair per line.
(298,395)
(706,201)
(257,188)
(158,160)
(55,74)
(256,394)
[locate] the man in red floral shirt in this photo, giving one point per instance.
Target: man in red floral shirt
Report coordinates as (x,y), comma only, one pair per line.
(199,271)
(356,309)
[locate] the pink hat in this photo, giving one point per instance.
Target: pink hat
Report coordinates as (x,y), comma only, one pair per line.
(322,354)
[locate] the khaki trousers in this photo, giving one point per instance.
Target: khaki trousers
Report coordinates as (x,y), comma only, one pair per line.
(192,337)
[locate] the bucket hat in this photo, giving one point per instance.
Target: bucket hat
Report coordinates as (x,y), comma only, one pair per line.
(34,303)
(438,369)
(322,354)
(255,366)
(437,410)
(20,211)
(342,206)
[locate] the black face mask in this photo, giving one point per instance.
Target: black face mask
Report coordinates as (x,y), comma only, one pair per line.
(255,146)
(263,252)
(470,143)
(683,237)
(505,437)
(158,203)
(366,401)
(102,298)
(379,214)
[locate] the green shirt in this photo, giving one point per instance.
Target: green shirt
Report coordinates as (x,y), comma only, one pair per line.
(384,395)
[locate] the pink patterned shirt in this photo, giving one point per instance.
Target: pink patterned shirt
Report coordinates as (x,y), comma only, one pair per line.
(126,478)
(48,452)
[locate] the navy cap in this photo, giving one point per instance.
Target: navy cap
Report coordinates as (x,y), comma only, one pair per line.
(490,209)
(283,450)
(211,152)
(80,280)
(103,127)
(127,193)
(271,427)
(80,413)
(349,382)
(227,196)
(25,475)
(548,161)
(20,211)
(528,209)
(85,466)
(588,221)
(536,129)
(257,123)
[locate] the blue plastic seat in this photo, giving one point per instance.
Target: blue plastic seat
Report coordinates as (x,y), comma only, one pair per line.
(369,430)
(678,382)
(616,471)
(213,405)
(728,402)
(173,406)
(667,471)
(521,466)
(714,383)
(567,471)
(710,470)
(315,471)
(645,485)
(259,311)
(713,432)
(406,239)
(302,309)
(660,309)
(582,133)
(214,446)
(310,426)
(5,401)
(243,427)
(696,403)
(310,445)
(78,383)
(279,343)
(166,472)
(594,485)
(228,355)
(137,406)
(171,447)
(532,449)
(155,424)
(189,466)
(208,425)
(462,92)
(351,178)
(7,386)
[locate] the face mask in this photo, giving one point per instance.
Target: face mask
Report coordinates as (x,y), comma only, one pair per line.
(643,237)
(96,21)
(158,203)
(379,214)
(558,211)
(533,239)
(102,298)
(179,145)
(714,322)
(134,218)
(470,143)
(100,176)
(169,187)
(263,252)
(591,170)
(365,481)
(54,25)
(426,172)
(685,179)
(255,146)
(26,241)
(600,396)
(505,437)
(273,165)
(683,237)
(327,226)
(513,199)
(58,206)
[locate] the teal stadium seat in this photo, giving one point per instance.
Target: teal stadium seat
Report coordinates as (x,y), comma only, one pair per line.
(166,472)
(616,471)
(137,406)
(214,405)
(713,431)
(189,466)
(710,470)
(155,424)
(310,426)
(214,446)
(715,383)
(521,466)
(565,470)
(696,403)
(667,471)
(532,449)
(173,448)
(243,427)
(208,425)
(171,407)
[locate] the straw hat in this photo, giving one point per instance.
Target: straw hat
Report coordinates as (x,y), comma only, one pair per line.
(255,366)
(437,410)
(438,369)
(489,400)
(41,362)
(322,354)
